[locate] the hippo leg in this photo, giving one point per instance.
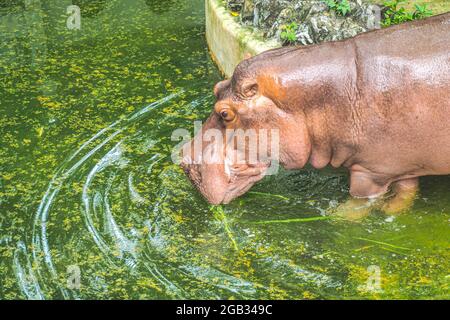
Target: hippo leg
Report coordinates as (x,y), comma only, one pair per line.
(367,191)
(404,194)
(355,209)
(368,186)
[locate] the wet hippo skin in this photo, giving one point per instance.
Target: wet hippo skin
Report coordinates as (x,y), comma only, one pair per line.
(377,104)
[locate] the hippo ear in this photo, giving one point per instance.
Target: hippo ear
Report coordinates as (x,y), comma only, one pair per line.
(220,86)
(249,89)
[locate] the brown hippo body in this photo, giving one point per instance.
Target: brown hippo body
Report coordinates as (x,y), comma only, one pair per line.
(377,104)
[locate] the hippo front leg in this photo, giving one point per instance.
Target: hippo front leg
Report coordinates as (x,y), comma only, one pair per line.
(368,194)
(404,194)
(364,185)
(355,209)
(366,191)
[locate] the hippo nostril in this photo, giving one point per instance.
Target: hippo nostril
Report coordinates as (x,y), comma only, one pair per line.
(239,167)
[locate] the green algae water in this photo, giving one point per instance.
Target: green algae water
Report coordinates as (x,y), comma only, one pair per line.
(92,207)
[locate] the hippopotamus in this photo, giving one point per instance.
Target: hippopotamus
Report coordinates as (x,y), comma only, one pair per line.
(377,104)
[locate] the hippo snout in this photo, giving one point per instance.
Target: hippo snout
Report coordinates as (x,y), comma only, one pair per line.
(208,179)
(219,183)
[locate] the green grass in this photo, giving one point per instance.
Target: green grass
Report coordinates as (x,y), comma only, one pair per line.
(268,195)
(219,215)
(438,6)
(385,244)
(295,220)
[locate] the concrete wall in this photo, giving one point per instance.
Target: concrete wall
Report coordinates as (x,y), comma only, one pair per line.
(228,41)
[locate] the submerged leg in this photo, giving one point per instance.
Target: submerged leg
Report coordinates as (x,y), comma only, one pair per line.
(366,190)
(405,192)
(355,209)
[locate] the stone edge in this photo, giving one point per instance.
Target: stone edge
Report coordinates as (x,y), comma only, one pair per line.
(228,41)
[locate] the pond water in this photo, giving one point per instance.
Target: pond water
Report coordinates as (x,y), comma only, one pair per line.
(88,191)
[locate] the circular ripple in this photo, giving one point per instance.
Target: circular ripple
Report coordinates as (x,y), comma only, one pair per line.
(141,231)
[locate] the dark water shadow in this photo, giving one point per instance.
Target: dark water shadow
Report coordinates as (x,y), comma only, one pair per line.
(90,8)
(160,6)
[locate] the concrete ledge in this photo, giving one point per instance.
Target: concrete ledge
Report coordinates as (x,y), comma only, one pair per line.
(228,41)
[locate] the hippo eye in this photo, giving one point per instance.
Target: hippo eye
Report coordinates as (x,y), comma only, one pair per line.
(227,114)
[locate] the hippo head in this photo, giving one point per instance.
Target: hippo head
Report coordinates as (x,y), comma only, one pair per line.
(249,117)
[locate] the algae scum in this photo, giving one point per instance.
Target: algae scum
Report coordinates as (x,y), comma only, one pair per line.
(91,205)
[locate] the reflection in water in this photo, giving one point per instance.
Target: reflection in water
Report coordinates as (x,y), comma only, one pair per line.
(86,179)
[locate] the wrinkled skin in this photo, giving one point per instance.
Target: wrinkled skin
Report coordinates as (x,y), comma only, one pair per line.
(377,104)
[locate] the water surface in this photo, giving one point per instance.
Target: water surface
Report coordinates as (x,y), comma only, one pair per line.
(87,183)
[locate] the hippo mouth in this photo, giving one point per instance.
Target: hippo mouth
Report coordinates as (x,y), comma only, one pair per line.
(221,184)
(242,178)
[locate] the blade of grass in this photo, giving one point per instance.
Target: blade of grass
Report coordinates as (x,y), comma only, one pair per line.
(220,216)
(268,195)
(364,248)
(294,220)
(382,243)
(394,251)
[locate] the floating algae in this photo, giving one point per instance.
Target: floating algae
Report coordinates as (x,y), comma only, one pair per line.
(147,233)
